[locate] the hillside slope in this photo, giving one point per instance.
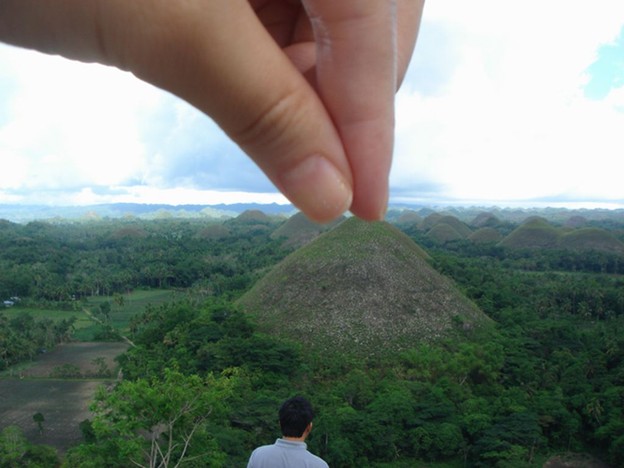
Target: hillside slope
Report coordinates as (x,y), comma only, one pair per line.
(362,288)
(586,239)
(534,233)
(298,230)
(485,235)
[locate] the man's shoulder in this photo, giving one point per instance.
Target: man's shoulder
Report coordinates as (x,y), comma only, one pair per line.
(264,449)
(264,455)
(276,454)
(316,461)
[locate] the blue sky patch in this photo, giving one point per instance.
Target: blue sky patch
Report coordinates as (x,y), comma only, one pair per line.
(607,72)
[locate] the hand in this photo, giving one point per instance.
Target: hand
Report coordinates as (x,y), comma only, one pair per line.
(306,88)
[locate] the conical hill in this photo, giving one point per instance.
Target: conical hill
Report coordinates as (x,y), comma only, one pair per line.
(298,230)
(534,232)
(587,239)
(361,288)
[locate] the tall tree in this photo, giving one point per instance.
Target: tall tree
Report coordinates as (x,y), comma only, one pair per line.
(158,422)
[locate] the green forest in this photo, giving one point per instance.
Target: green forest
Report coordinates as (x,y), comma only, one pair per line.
(202,383)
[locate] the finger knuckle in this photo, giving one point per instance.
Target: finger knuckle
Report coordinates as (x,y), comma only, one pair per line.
(274,125)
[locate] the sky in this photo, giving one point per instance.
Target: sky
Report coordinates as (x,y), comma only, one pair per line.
(504,103)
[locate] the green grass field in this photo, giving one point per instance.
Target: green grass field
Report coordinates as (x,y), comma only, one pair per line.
(33,387)
(133,304)
(86,328)
(82,320)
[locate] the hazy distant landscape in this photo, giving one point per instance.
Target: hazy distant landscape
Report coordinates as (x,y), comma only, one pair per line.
(26,213)
(399,213)
(445,337)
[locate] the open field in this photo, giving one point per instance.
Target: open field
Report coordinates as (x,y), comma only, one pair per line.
(133,304)
(86,329)
(82,321)
(61,383)
(80,355)
(63,402)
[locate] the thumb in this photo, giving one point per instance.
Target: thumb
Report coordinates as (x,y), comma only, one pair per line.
(217,56)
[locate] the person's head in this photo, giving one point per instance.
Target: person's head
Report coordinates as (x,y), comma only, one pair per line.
(295,417)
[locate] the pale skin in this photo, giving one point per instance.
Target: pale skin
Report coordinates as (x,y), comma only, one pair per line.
(305,87)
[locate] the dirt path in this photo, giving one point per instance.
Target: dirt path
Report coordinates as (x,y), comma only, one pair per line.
(97,320)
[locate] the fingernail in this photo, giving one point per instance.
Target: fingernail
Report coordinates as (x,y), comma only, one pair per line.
(317,188)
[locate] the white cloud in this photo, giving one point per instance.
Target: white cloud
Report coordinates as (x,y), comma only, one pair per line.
(173,196)
(512,122)
(71,130)
(492,110)
(71,124)
(615,99)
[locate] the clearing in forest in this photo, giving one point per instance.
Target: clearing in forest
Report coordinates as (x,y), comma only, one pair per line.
(122,309)
(63,403)
(59,384)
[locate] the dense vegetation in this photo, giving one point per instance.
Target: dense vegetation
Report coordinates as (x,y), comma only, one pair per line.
(64,262)
(203,385)
(23,337)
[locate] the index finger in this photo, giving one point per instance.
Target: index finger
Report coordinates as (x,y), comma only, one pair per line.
(217,56)
(357,55)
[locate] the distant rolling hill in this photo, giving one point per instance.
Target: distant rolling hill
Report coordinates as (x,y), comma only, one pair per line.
(26,213)
(408,218)
(591,239)
(443,233)
(447,229)
(485,219)
(361,288)
(253,222)
(486,235)
(429,221)
(536,233)
(456,224)
(298,230)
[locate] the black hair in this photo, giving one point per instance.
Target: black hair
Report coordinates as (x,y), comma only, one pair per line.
(295,414)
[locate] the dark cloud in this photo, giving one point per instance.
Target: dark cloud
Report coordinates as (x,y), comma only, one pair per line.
(211,168)
(189,150)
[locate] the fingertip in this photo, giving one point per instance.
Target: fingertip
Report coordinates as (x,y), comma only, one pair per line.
(370,209)
(369,147)
(317,188)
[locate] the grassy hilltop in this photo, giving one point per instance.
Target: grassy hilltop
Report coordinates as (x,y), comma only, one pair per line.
(362,288)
